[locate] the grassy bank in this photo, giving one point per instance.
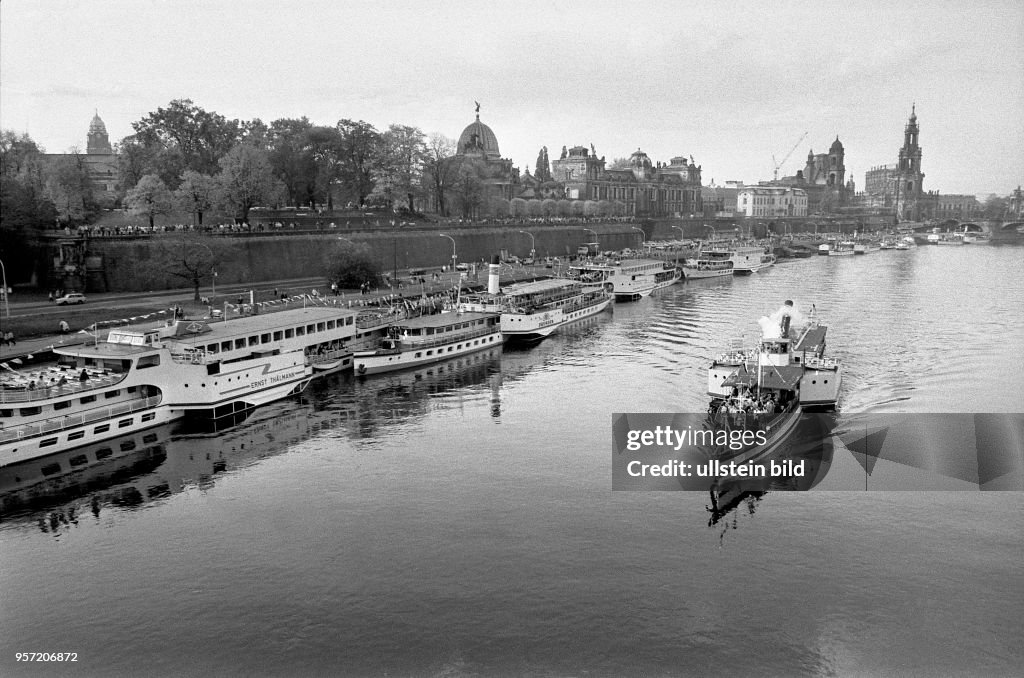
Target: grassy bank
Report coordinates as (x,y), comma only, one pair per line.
(82,317)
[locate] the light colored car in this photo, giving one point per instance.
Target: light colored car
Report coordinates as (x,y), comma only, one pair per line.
(71,298)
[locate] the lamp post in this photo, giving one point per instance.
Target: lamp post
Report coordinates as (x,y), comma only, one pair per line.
(533,243)
(453,247)
(7,303)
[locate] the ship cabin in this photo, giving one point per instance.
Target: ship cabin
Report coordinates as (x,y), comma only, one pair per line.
(441,329)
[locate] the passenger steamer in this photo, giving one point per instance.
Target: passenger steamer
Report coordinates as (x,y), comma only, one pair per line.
(709,264)
(139,379)
(533,310)
(765,389)
(629,279)
(430,338)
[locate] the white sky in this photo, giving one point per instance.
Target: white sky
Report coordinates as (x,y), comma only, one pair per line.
(731,83)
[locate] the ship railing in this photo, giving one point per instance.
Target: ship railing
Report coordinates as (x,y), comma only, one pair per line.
(409,343)
(70,421)
(821,363)
(18,391)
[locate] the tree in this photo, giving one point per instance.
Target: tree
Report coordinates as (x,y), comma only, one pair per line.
(468,187)
(995,207)
(543,172)
(399,167)
(68,186)
(193,258)
(196,194)
(290,159)
(325,144)
(201,137)
(350,265)
(359,147)
(245,180)
(149,197)
(440,169)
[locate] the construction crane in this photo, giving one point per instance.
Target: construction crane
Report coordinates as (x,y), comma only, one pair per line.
(783,161)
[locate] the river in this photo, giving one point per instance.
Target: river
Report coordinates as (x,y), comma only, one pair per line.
(460,521)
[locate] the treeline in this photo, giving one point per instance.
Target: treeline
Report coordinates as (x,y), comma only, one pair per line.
(182,158)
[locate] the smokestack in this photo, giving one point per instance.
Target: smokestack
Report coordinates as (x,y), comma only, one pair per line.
(784,324)
(492,275)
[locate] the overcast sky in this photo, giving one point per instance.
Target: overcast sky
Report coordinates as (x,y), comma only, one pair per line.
(730,83)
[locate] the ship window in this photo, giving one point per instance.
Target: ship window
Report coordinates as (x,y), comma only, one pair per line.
(7,413)
(211,348)
(29,411)
(310,329)
(300,331)
(50,469)
(112,394)
(148,361)
(320,327)
(419,354)
(148,416)
(49,442)
(265,338)
(125,423)
(278,335)
(101,429)
(103,453)
(239,343)
(254,340)
(75,436)
(349,320)
(826,381)
(225,345)
(62,405)
(289,333)
(430,353)
(331,324)
(81,459)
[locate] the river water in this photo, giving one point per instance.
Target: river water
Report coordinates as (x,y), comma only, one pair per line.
(460,521)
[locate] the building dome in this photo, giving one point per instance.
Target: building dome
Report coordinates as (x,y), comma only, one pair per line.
(836,147)
(97,126)
(640,160)
(478,138)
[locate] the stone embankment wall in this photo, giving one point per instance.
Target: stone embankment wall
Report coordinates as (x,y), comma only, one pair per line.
(130,265)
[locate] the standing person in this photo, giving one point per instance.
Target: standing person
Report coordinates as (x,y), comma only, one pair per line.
(51,296)
(64,327)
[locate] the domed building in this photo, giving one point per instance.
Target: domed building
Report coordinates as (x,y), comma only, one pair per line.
(99,161)
(478,148)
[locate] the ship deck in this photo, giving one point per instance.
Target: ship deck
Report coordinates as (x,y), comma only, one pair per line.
(812,341)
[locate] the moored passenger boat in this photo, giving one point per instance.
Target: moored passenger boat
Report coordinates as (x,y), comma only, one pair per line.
(843,248)
(137,379)
(533,310)
(747,259)
(430,338)
(629,279)
(708,264)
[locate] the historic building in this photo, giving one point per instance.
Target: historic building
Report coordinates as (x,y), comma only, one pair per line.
(900,187)
(643,188)
(771,201)
(479,145)
(99,160)
(823,180)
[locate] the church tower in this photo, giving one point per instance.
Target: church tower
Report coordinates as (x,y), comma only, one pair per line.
(97,142)
(908,172)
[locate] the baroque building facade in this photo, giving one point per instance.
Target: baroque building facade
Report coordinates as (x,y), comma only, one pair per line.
(822,180)
(900,187)
(771,201)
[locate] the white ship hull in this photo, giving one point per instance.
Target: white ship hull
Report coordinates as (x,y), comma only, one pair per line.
(72,436)
(696,274)
(376,362)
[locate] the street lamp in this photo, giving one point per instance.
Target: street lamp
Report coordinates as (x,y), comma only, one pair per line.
(7,303)
(453,247)
(533,242)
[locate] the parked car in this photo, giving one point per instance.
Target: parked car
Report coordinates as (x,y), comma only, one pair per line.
(71,298)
